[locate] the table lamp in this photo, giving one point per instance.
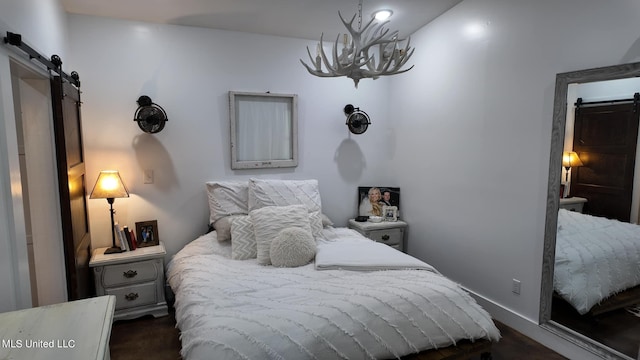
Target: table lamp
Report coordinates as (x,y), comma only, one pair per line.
(110,186)
(570,160)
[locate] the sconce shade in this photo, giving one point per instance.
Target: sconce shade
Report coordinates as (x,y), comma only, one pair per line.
(109,186)
(570,159)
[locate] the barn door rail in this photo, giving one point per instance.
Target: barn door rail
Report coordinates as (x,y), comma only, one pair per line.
(636,100)
(53,64)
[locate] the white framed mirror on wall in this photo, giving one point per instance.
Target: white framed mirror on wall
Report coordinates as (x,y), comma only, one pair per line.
(264,130)
(592,249)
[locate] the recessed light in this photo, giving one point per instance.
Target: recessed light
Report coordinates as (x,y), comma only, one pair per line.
(382,15)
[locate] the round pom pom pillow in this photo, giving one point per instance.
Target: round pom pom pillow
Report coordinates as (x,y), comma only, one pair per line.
(292,247)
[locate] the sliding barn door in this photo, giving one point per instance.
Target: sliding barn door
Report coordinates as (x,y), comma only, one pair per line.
(605,139)
(71,181)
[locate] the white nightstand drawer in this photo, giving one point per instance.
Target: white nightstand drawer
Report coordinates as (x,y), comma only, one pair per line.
(387,232)
(387,236)
(122,274)
(573,204)
(136,295)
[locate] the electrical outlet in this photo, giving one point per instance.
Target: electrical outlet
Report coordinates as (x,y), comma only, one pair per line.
(515,286)
(147,176)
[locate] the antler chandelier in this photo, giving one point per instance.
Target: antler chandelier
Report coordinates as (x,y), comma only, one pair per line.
(371,52)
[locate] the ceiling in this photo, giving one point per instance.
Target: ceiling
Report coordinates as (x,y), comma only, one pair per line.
(305,19)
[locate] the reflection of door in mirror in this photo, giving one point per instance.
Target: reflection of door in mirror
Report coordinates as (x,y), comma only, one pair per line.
(605,137)
(594,261)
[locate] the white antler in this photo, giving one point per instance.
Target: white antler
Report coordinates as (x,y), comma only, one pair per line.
(356,60)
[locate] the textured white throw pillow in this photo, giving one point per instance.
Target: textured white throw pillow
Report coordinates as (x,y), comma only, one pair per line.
(270,192)
(269,221)
(227,198)
(243,245)
(292,247)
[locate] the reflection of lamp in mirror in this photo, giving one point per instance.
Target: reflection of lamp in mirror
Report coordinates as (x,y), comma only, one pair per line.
(110,186)
(570,160)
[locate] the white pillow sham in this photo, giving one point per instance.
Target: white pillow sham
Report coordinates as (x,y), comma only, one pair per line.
(227,198)
(269,192)
(269,221)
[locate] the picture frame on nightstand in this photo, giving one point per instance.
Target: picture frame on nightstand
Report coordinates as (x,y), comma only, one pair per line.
(371,199)
(147,233)
(390,213)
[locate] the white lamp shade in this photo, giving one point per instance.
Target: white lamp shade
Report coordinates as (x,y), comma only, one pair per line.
(109,186)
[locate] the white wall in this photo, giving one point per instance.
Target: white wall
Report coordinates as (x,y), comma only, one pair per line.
(43,26)
(189,71)
(474,118)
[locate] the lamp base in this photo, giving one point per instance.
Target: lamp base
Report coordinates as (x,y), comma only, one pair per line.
(113,250)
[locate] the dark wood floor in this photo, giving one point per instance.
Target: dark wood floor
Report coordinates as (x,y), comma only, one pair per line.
(617,329)
(158,339)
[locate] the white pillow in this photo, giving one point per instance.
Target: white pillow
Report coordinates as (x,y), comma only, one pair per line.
(223,227)
(269,221)
(325,220)
(227,198)
(292,247)
(284,192)
(270,192)
(243,246)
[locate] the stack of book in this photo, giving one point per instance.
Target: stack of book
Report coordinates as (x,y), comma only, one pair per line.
(126,237)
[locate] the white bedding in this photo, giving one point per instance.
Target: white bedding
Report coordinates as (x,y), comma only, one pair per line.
(231,309)
(347,249)
(595,258)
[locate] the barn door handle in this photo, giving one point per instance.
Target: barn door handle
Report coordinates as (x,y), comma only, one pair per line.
(131,296)
(129,274)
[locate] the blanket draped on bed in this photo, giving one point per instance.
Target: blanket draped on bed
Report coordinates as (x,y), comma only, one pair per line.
(595,258)
(230,309)
(351,251)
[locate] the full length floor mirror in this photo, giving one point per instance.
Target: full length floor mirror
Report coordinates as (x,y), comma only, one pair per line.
(591,257)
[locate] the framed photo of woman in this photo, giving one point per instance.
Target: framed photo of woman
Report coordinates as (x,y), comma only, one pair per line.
(371,199)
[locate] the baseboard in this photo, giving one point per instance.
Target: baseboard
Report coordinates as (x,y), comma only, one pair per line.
(532,330)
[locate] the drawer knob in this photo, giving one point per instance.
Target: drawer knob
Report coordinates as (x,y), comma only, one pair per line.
(129,274)
(131,296)
(385,237)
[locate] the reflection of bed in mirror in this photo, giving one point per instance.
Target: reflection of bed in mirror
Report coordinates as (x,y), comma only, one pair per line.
(611,334)
(596,260)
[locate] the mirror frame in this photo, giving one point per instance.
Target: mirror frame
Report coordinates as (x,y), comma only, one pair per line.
(237,138)
(553,200)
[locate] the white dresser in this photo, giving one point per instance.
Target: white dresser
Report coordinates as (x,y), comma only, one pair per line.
(135,278)
(75,330)
(386,232)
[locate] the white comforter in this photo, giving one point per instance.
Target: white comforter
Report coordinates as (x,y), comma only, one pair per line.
(231,309)
(595,258)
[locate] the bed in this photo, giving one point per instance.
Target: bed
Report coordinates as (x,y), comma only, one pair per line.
(597,262)
(230,308)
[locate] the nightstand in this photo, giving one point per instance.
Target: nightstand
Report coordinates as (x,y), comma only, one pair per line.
(386,232)
(136,278)
(573,203)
